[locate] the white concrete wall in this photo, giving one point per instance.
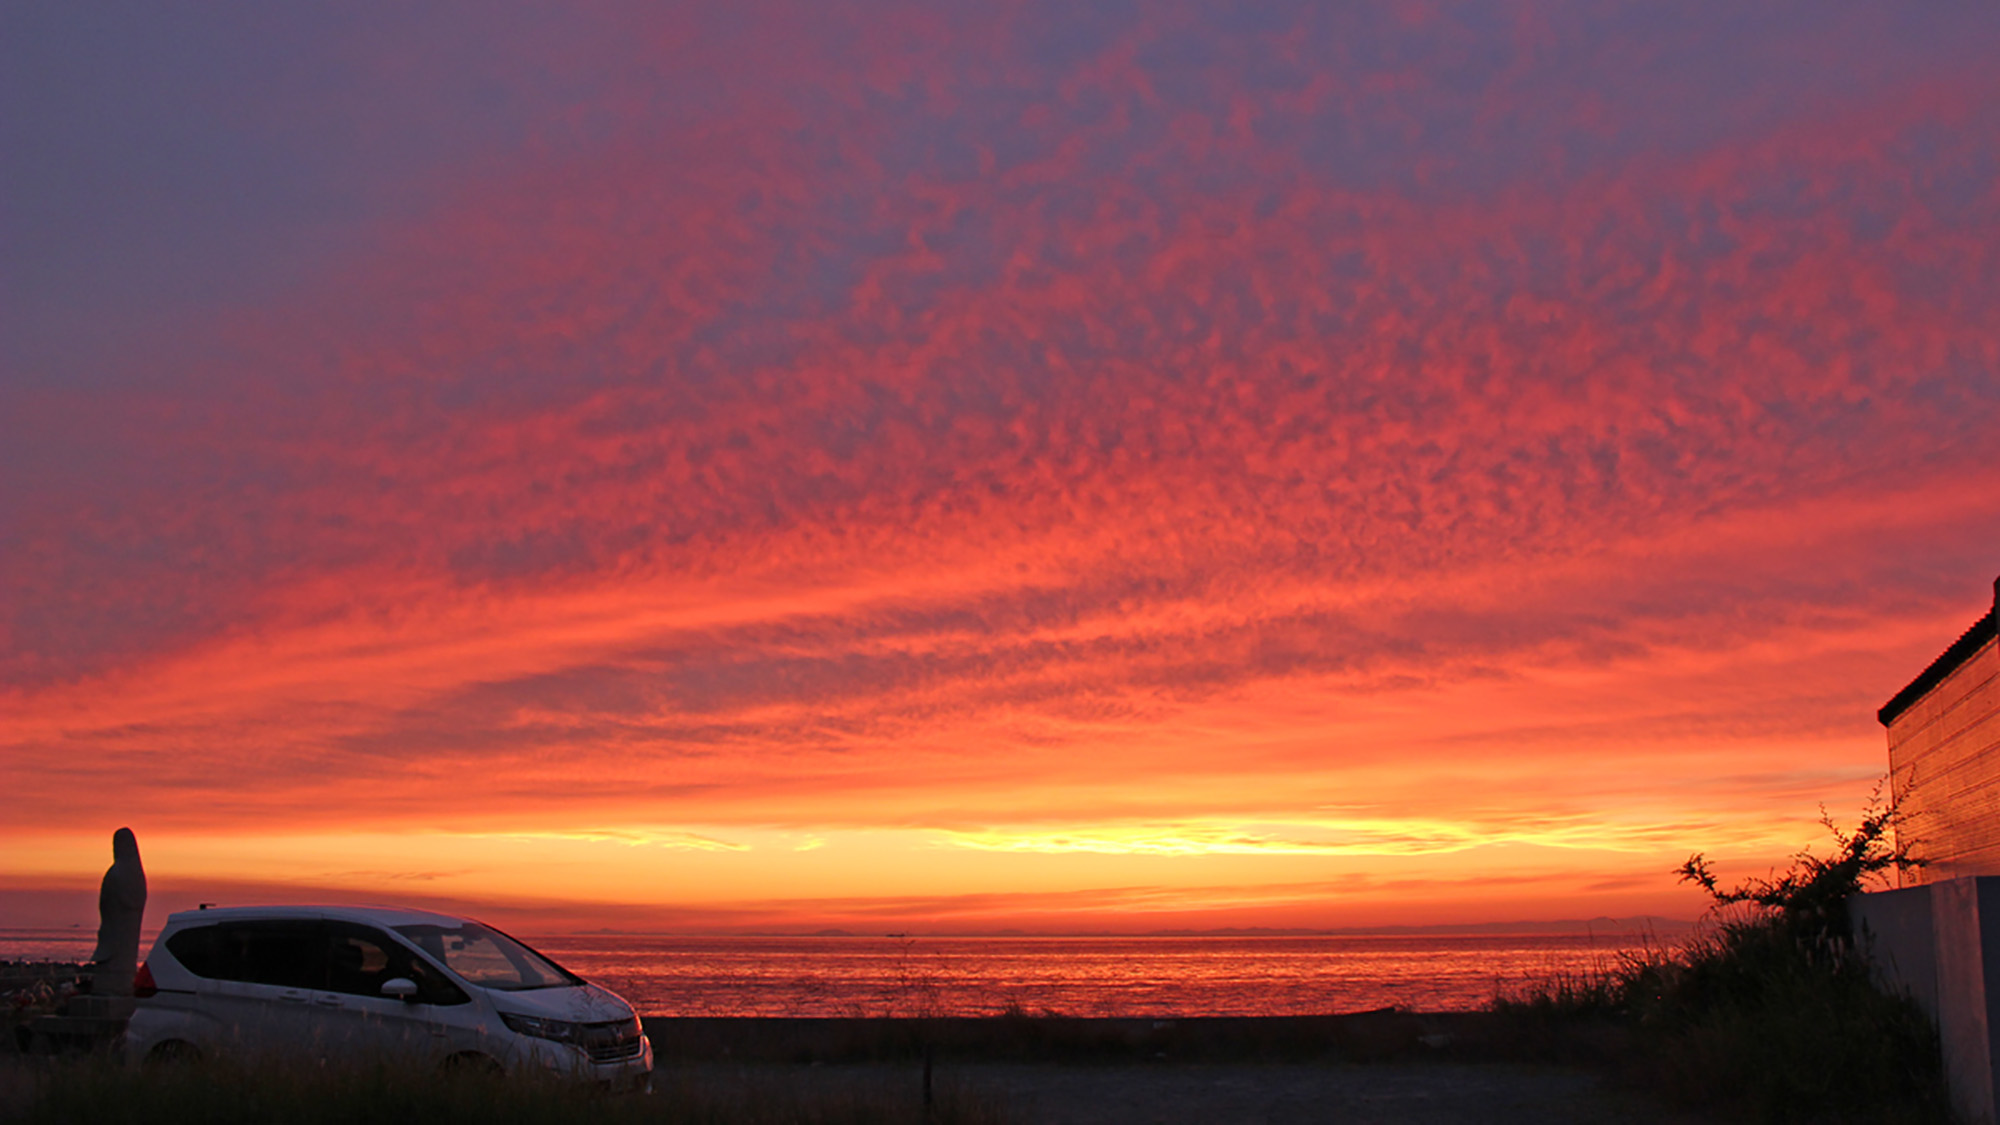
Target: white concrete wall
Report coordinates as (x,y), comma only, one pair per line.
(1940,944)
(1895,930)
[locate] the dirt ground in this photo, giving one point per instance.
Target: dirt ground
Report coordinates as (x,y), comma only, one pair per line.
(1200,1094)
(1237,1094)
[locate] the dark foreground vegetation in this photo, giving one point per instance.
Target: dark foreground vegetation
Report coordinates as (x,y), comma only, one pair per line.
(1771,1016)
(218,1093)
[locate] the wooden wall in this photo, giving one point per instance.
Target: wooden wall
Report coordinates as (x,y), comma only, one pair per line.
(1944,768)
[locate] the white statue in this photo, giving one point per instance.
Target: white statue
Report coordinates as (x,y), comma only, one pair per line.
(121,905)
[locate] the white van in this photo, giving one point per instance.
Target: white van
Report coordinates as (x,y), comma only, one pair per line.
(350,982)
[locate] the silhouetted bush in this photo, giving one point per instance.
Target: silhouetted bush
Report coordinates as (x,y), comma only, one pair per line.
(1771,1014)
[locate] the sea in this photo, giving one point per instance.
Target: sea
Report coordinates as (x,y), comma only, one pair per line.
(1091,976)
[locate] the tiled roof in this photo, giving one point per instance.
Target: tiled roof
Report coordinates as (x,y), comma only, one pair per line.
(1961,650)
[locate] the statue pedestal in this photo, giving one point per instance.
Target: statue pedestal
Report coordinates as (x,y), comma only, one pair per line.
(101,1007)
(86,1023)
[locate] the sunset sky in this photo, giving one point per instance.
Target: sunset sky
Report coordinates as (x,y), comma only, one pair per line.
(952,466)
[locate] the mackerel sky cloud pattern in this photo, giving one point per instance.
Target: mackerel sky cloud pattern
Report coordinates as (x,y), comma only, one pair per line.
(964,458)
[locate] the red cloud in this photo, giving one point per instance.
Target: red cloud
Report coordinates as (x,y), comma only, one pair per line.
(953,430)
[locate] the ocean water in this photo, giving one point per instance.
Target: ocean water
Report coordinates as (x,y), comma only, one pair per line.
(1079,976)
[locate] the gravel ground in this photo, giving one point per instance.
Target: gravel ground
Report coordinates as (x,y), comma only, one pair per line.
(1238,1094)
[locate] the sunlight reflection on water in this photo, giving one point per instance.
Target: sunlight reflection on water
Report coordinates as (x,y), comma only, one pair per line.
(1078,976)
(1090,976)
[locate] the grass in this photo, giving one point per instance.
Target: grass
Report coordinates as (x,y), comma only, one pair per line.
(1743,1021)
(222,1093)
(1770,1016)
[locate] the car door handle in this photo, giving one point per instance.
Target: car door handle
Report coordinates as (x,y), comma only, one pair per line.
(293,995)
(329,1000)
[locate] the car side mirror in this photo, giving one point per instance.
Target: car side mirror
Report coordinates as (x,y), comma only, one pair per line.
(402,988)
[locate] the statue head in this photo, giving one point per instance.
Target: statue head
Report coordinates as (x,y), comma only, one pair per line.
(124,846)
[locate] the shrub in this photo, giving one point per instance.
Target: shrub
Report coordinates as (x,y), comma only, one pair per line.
(1771,1012)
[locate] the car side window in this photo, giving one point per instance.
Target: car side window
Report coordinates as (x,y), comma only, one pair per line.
(290,954)
(358,963)
(363,959)
(199,950)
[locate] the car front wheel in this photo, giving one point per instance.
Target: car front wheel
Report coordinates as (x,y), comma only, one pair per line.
(173,1052)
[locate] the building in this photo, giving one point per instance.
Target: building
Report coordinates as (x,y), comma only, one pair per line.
(1938,937)
(1944,756)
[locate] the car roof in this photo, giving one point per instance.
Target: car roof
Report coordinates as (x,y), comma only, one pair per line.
(378,915)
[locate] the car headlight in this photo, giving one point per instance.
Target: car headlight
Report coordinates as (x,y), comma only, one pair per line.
(562,1031)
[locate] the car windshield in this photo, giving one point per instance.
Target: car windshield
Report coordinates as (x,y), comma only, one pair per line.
(488,958)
